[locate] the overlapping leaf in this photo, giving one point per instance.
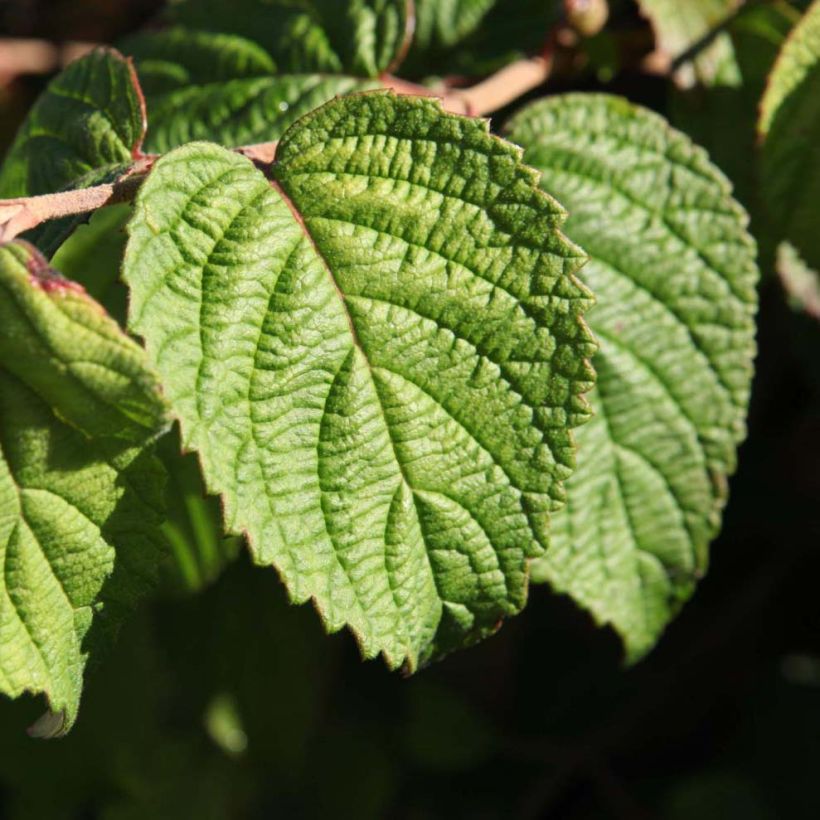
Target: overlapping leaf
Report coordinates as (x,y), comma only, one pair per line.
(360,37)
(78,516)
(90,118)
(223,88)
(378,358)
(790,127)
(673,270)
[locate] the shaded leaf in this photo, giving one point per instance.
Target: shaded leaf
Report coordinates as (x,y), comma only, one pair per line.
(790,127)
(680,25)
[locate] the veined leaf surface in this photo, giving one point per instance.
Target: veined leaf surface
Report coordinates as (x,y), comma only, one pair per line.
(91,117)
(673,270)
(79,516)
(378,356)
(360,37)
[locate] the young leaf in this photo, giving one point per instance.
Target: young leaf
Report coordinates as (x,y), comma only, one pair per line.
(673,270)
(377,355)
(60,343)
(90,118)
(790,125)
(360,37)
(680,25)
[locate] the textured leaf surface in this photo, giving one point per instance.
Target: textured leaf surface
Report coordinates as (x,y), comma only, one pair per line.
(178,58)
(378,358)
(673,271)
(790,125)
(222,88)
(90,117)
(60,342)
(65,504)
(362,37)
(241,112)
(679,25)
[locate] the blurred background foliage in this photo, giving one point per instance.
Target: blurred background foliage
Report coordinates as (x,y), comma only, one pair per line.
(230,703)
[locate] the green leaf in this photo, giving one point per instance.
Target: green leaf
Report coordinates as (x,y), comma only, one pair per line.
(64,505)
(790,125)
(61,344)
(203,86)
(178,58)
(722,116)
(361,37)
(241,112)
(673,270)
(91,117)
(680,25)
(377,355)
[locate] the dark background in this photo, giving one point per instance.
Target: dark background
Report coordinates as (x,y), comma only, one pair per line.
(231,704)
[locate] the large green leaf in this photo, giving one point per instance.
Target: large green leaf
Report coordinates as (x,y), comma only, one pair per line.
(60,342)
(377,355)
(79,517)
(362,37)
(680,25)
(91,117)
(673,269)
(790,125)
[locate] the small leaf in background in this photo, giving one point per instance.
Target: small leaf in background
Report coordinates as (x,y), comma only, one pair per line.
(63,345)
(721,115)
(789,127)
(378,358)
(488,34)
(680,24)
(90,118)
(801,283)
(361,37)
(223,88)
(673,270)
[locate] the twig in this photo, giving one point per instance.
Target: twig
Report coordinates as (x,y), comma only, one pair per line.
(498,90)
(23,214)
(25,56)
